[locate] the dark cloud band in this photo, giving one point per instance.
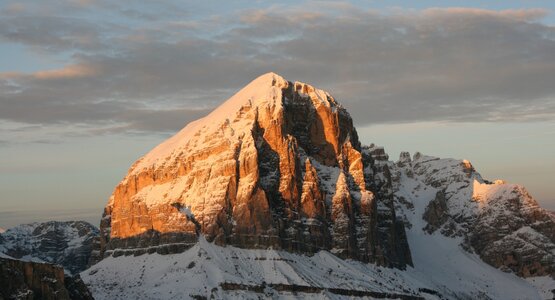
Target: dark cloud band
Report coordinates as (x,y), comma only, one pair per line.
(156,74)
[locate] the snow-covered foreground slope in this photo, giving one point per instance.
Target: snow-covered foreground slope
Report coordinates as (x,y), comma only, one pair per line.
(228,273)
(210,270)
(545,285)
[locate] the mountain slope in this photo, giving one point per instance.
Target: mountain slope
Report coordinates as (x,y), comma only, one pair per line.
(278,166)
(68,244)
(500,222)
(273,196)
(442,271)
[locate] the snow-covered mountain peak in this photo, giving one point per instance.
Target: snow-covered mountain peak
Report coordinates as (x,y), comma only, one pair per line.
(261,90)
(233,117)
(260,171)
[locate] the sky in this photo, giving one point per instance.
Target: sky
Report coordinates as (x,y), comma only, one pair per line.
(89,86)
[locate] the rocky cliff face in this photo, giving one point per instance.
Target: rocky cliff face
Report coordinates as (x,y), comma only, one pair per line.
(68,244)
(500,222)
(278,165)
(31,280)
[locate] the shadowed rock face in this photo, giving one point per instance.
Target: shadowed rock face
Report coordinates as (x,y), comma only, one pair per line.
(436,213)
(514,233)
(30,280)
(278,165)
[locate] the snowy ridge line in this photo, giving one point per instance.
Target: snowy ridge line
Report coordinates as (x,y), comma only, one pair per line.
(229,286)
(265,88)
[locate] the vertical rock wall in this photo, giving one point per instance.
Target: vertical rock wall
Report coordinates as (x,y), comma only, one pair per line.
(281,167)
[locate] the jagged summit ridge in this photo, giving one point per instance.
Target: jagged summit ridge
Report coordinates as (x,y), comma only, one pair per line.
(277,165)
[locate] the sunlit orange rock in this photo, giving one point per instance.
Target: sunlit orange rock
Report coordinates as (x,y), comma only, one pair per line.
(260,171)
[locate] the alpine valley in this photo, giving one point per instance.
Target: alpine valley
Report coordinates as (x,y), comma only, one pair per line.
(273,196)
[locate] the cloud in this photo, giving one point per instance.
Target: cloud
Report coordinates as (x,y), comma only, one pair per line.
(154,73)
(68,72)
(532,14)
(53,34)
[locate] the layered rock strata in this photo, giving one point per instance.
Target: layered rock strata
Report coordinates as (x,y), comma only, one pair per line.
(278,165)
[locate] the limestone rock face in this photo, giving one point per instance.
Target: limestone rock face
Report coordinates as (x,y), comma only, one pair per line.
(277,165)
(390,236)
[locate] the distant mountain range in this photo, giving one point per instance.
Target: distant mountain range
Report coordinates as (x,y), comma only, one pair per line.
(68,244)
(33,258)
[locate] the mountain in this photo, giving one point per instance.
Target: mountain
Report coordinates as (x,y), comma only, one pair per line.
(453,214)
(278,165)
(68,244)
(272,195)
(499,221)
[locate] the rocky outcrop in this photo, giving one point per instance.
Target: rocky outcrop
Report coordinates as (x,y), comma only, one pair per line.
(307,290)
(390,236)
(30,280)
(436,213)
(68,244)
(500,222)
(512,232)
(278,165)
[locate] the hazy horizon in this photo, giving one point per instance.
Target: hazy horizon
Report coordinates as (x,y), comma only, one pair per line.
(91,86)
